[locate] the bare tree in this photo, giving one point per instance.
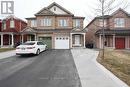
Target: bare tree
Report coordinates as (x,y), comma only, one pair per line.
(106,7)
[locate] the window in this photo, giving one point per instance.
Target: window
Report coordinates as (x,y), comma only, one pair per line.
(101,23)
(76,23)
(4,25)
(63,22)
(33,23)
(12,24)
(119,22)
(46,22)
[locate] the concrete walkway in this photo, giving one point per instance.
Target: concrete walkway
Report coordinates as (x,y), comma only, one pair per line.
(7,54)
(91,73)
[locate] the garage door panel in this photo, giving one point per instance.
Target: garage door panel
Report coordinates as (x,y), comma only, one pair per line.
(47,41)
(62,42)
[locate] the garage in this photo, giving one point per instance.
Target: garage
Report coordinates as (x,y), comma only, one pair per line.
(62,42)
(120,43)
(47,41)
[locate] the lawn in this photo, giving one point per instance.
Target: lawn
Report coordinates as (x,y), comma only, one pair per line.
(118,62)
(6,49)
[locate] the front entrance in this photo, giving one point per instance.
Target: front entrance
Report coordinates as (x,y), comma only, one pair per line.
(77,40)
(120,43)
(47,41)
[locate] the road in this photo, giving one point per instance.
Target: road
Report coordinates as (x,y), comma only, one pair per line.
(52,68)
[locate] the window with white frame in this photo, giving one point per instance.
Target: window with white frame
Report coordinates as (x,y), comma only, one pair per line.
(101,22)
(119,22)
(33,23)
(63,23)
(46,22)
(76,23)
(12,24)
(4,25)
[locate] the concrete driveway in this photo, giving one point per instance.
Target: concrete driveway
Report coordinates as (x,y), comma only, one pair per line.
(91,73)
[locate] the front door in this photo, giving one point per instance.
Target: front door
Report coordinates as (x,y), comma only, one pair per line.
(120,43)
(77,40)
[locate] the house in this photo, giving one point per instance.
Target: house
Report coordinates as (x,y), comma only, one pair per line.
(116,30)
(56,27)
(0,24)
(10,31)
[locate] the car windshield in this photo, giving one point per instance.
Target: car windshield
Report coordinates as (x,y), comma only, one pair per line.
(29,43)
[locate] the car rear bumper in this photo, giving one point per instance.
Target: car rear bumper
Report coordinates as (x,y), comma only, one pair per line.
(25,52)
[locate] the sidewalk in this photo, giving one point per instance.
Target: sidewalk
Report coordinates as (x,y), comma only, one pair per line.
(91,73)
(7,54)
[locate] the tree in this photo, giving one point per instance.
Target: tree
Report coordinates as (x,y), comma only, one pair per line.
(106,7)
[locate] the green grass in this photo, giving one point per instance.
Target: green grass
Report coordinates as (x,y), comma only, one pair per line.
(118,62)
(6,49)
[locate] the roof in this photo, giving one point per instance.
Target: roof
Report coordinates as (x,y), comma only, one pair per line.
(116,31)
(76,30)
(31,18)
(12,16)
(78,17)
(50,12)
(108,16)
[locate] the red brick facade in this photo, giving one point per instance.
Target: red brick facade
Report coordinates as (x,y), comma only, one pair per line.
(112,32)
(8,32)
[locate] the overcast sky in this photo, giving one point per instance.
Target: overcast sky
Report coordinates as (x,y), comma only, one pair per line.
(27,8)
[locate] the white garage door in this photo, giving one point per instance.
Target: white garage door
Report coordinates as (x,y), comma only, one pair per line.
(62,42)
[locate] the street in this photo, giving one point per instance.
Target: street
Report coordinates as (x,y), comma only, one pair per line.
(52,68)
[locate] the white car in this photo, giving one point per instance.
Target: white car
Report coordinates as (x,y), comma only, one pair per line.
(31,47)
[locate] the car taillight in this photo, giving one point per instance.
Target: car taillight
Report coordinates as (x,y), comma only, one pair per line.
(30,47)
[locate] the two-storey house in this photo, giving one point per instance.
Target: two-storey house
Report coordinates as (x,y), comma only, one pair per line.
(10,31)
(116,30)
(56,27)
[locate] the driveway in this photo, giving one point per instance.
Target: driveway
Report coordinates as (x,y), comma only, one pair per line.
(91,73)
(52,68)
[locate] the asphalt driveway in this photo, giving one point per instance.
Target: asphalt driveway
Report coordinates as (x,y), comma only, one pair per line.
(52,68)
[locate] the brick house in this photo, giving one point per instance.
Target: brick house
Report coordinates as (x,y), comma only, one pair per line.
(57,27)
(10,31)
(0,24)
(117,31)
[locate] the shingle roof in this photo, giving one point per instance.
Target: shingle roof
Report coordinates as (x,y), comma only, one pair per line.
(116,31)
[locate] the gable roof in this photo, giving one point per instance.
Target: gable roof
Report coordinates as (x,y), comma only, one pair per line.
(55,4)
(108,16)
(46,11)
(28,30)
(120,9)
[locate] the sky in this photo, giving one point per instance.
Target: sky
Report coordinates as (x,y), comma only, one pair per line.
(85,8)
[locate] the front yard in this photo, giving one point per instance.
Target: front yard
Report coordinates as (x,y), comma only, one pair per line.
(6,49)
(118,62)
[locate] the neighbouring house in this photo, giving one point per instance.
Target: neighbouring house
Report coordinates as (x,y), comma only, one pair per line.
(56,27)
(117,31)
(0,24)
(10,33)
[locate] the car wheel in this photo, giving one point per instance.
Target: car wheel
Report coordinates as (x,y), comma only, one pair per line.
(46,48)
(38,52)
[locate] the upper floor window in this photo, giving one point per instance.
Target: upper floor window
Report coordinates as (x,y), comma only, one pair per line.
(119,22)
(33,23)
(63,22)
(46,22)
(12,24)
(76,23)
(101,22)
(4,25)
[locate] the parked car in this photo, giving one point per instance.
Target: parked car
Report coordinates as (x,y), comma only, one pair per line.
(31,47)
